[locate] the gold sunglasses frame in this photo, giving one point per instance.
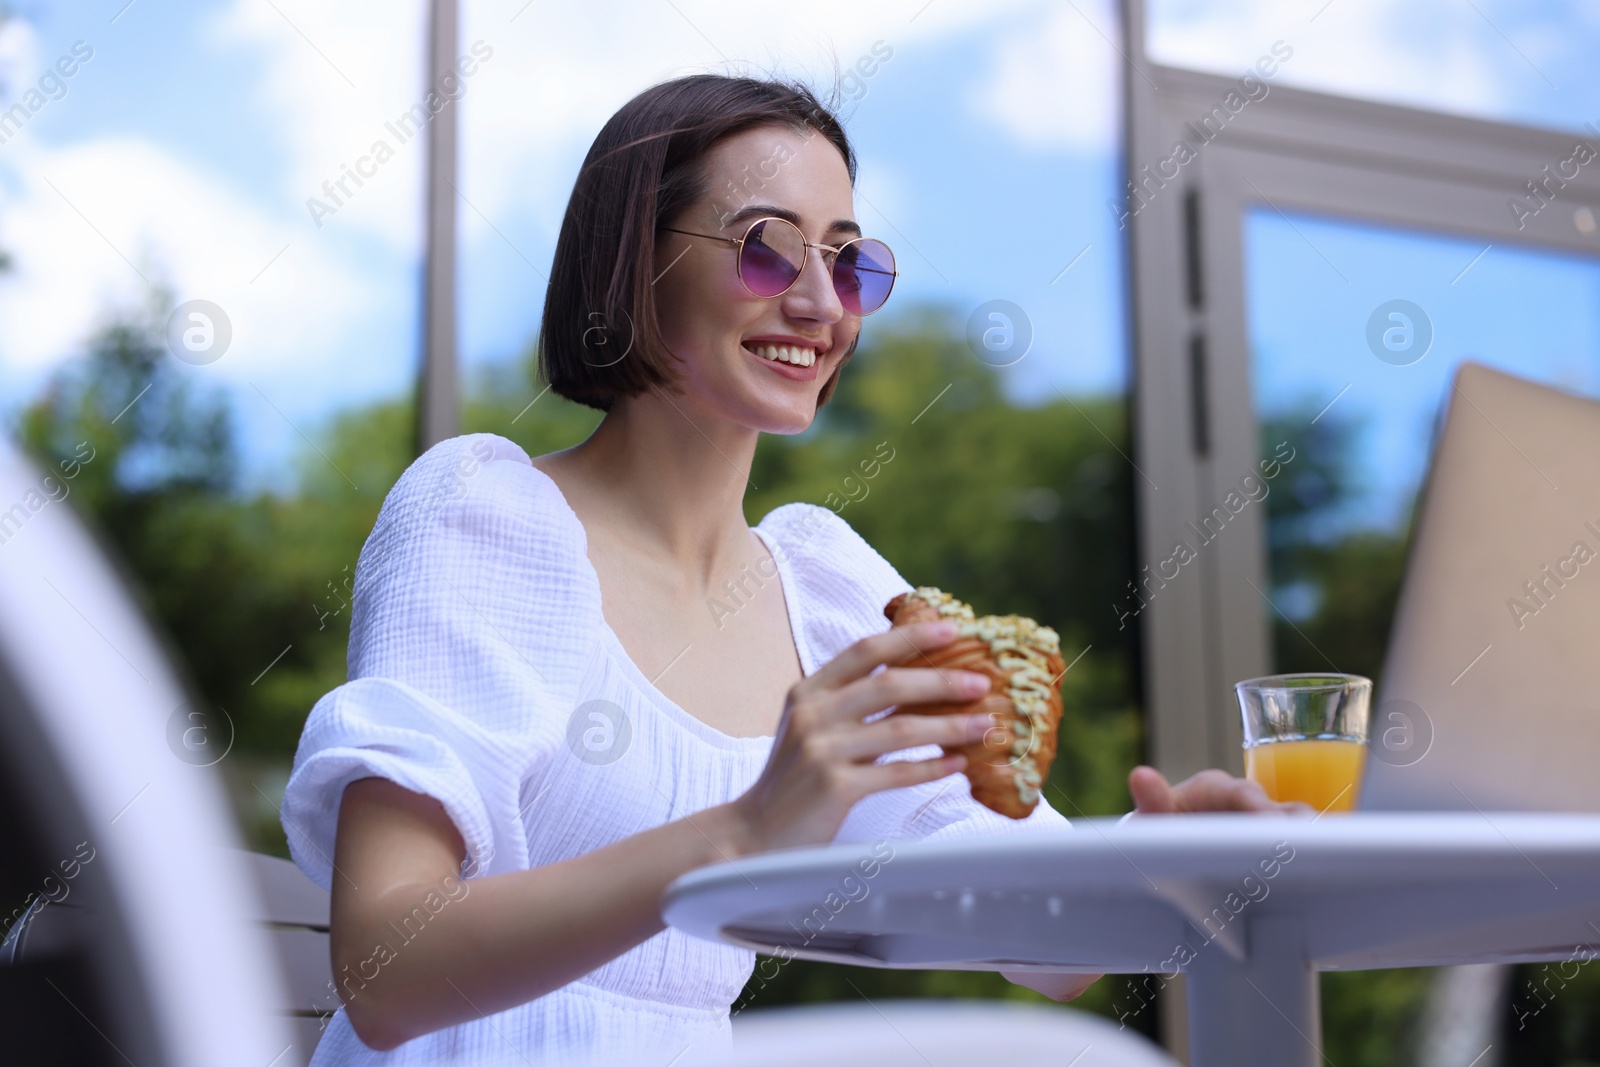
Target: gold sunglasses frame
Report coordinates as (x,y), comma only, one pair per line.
(738,261)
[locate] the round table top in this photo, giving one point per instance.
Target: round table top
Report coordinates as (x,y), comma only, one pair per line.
(1369,890)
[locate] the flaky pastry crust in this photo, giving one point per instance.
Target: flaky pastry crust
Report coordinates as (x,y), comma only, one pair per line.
(1008,765)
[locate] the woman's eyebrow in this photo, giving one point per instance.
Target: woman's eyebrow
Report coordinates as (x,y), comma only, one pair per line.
(756,211)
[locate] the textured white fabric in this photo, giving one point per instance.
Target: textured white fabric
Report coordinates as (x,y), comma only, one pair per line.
(477,645)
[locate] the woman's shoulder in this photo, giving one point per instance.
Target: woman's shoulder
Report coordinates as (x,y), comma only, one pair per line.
(477,490)
(472,535)
(810,531)
(473,469)
(844,581)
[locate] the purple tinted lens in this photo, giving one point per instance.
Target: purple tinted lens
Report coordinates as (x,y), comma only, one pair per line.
(863,274)
(770,261)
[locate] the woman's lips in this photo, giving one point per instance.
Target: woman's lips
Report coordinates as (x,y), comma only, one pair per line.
(788,370)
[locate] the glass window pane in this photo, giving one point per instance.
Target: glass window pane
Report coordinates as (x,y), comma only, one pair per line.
(1526,61)
(1361,412)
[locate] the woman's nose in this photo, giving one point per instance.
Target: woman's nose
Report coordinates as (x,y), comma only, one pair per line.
(812,296)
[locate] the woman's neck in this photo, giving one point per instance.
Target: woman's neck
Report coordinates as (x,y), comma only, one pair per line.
(667,479)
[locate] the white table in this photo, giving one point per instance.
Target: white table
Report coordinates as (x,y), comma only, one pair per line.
(1348,892)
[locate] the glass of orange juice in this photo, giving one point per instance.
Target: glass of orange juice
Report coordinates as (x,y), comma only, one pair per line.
(1305,736)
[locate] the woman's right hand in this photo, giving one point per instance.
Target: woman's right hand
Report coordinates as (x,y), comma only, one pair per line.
(823,753)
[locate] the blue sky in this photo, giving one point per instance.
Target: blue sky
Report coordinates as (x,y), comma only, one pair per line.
(193,137)
(1312,284)
(988,142)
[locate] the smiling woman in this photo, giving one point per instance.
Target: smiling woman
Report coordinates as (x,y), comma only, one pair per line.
(538,697)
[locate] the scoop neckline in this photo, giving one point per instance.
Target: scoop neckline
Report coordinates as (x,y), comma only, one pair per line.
(619,653)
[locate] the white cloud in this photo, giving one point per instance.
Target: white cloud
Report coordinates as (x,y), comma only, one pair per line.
(90,224)
(1055,81)
(1438,54)
(334,73)
(560,72)
(19,50)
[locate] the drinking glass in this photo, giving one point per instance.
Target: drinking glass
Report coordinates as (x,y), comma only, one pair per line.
(1305,736)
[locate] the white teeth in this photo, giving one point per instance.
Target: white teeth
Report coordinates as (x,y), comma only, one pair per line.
(800,357)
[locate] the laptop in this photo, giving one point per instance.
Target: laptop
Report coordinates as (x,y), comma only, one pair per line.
(1491,691)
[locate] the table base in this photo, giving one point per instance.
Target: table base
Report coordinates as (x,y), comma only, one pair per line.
(1260,1010)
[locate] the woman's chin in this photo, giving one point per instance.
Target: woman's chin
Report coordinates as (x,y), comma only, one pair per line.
(766,413)
(786,423)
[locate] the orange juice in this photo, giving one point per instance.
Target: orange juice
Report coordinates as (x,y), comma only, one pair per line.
(1325,774)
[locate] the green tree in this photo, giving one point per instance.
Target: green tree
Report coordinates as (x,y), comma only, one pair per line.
(1351,578)
(229,583)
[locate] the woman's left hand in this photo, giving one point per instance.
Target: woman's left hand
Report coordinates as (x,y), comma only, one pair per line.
(1210,790)
(1053,984)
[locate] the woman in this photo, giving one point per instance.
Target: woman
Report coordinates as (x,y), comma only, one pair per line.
(529,635)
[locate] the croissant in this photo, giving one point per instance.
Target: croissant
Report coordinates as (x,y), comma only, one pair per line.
(1007,766)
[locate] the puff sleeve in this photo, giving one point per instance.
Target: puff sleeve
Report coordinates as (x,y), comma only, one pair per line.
(471,625)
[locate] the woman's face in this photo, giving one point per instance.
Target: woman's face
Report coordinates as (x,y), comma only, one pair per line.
(714,325)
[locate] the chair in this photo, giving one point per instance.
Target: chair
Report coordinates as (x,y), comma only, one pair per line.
(149,955)
(934,1033)
(294,914)
(1488,692)
(296,910)
(1488,696)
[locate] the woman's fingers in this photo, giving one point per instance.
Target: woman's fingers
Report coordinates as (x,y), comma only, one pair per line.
(823,757)
(1152,795)
(907,685)
(1053,984)
(1215,790)
(897,774)
(1209,790)
(1243,794)
(894,645)
(904,730)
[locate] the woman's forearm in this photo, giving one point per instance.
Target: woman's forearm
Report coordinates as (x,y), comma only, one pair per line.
(438,958)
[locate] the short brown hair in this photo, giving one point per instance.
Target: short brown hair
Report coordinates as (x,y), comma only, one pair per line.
(600,338)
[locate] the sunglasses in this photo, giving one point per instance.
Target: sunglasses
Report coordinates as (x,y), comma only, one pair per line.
(773,252)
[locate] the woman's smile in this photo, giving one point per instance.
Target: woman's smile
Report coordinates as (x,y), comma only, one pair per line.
(789,356)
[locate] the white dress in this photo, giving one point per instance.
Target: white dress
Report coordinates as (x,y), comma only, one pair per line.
(483,674)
